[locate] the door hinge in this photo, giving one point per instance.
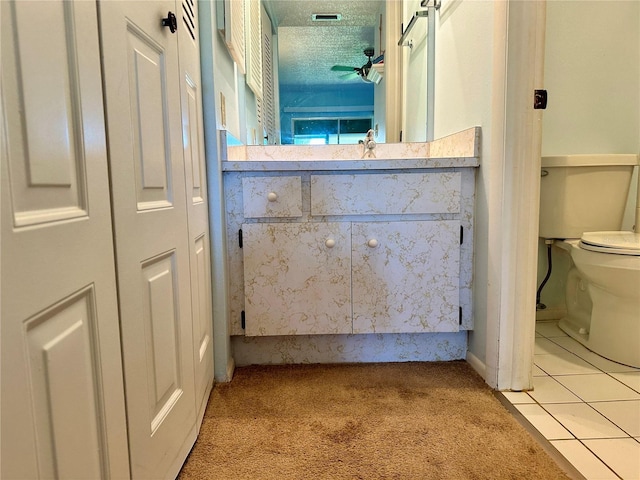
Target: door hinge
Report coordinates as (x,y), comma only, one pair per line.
(240,238)
(242,320)
(539,99)
(461,234)
(459,315)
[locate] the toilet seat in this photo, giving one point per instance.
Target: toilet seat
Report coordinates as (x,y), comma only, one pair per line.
(620,243)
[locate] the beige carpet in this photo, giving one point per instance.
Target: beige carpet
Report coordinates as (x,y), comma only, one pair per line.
(365,421)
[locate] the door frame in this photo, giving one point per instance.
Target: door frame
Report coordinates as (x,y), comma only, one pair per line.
(515,143)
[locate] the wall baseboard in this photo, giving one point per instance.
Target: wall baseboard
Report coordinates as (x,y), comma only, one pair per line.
(477,364)
(231,367)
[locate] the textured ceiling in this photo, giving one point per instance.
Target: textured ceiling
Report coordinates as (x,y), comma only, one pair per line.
(308,49)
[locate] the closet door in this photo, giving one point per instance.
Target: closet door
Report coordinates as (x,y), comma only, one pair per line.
(142,89)
(197,211)
(61,390)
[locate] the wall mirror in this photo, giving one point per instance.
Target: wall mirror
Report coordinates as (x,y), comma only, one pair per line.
(326,71)
(325,94)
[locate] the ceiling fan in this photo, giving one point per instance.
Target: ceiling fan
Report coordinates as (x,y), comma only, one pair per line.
(362,71)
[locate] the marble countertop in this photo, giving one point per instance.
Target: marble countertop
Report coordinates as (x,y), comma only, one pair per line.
(454,151)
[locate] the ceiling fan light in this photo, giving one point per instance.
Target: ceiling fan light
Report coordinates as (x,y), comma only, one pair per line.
(374,76)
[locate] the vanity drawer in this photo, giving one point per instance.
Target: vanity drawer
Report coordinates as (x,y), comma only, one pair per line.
(272,197)
(380,194)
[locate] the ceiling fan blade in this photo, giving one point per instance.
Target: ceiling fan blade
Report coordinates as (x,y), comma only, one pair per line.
(342,68)
(347,76)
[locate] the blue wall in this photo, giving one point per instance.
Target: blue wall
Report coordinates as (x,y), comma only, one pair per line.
(311,96)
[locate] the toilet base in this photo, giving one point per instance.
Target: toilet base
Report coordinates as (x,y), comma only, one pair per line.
(602,344)
(603,305)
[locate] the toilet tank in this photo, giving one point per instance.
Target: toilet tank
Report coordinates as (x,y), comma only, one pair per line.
(583,193)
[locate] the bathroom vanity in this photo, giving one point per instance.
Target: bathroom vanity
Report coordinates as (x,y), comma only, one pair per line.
(327,249)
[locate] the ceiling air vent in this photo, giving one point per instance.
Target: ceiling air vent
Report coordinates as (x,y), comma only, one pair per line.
(326,17)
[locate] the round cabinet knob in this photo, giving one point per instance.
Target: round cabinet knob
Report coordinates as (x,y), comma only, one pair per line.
(272,196)
(330,243)
(373,243)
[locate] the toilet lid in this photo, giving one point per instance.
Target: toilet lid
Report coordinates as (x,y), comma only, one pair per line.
(621,243)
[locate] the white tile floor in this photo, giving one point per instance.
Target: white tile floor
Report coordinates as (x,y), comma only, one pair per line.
(586,406)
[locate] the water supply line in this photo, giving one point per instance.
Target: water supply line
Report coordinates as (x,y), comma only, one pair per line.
(539,305)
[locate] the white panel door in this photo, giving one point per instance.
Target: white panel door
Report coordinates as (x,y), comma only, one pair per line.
(142,91)
(197,211)
(62,393)
(406,276)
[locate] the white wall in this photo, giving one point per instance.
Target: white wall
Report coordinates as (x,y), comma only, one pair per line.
(209,55)
(592,74)
(592,61)
(229,82)
(463,98)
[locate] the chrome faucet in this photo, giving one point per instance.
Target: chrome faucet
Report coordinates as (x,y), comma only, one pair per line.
(369,145)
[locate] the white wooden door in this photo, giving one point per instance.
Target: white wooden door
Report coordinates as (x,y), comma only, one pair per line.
(406,276)
(197,211)
(297,278)
(61,390)
(142,91)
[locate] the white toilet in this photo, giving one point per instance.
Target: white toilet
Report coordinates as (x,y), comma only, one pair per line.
(582,201)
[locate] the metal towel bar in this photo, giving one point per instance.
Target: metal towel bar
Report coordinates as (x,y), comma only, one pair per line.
(422,13)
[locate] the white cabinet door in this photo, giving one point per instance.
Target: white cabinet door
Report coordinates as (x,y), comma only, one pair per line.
(142,91)
(61,390)
(197,211)
(406,276)
(297,278)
